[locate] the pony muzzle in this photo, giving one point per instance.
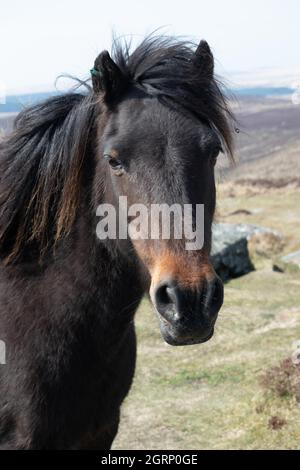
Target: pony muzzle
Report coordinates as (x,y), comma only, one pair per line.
(187,314)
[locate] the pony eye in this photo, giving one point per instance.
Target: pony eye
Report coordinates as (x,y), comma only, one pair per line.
(215,154)
(115,164)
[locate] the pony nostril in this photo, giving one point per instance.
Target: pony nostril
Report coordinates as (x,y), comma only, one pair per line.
(214,296)
(218,292)
(161,296)
(165,295)
(218,295)
(166,301)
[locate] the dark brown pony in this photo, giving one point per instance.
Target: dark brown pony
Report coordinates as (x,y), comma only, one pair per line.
(150,128)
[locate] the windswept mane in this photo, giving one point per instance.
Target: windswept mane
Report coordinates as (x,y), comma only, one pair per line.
(40,172)
(42,160)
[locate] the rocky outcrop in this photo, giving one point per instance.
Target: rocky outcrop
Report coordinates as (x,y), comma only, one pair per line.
(233,246)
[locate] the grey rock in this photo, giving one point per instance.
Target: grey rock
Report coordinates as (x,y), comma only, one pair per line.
(230,251)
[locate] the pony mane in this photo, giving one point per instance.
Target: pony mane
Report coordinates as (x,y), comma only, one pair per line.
(164,67)
(41,168)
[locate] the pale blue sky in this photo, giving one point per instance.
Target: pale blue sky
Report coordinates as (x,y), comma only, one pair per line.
(41,39)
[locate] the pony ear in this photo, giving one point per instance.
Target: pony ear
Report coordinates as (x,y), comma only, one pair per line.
(204,60)
(107,77)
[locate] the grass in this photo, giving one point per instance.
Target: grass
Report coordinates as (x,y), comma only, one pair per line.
(211,396)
